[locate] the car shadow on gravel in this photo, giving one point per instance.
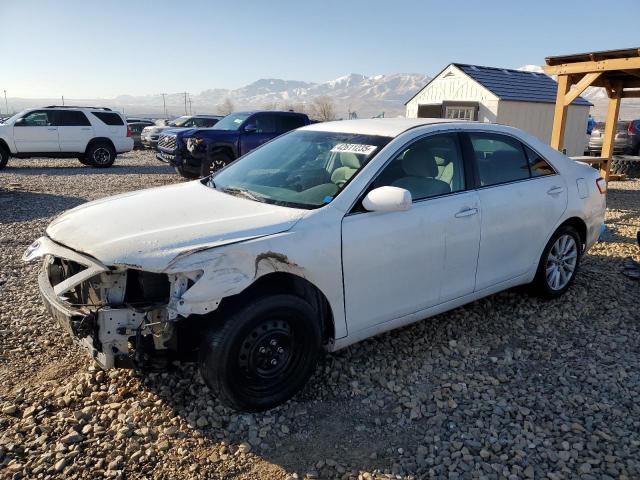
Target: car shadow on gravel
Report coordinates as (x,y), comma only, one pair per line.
(22,206)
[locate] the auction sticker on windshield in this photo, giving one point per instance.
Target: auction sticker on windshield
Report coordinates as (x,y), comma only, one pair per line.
(357,148)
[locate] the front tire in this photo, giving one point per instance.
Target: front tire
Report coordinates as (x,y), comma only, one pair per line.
(262,354)
(4,157)
(559,263)
(214,162)
(101,155)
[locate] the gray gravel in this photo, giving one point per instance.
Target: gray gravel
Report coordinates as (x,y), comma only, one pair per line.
(507,387)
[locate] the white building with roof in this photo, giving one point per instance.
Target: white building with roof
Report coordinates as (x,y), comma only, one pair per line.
(521,99)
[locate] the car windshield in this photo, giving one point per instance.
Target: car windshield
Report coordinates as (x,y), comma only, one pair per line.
(301,169)
(231,121)
(179,122)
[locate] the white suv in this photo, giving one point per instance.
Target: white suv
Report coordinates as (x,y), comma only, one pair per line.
(94,135)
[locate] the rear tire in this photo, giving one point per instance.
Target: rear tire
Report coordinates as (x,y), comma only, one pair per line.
(101,155)
(558,264)
(4,157)
(262,353)
(83,160)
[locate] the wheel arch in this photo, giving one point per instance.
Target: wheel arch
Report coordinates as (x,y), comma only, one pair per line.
(95,140)
(579,225)
(286,282)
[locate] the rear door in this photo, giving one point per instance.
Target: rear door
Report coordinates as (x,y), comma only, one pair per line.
(521,200)
(36,132)
(74,130)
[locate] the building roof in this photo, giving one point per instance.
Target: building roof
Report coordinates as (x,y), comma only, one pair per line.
(386,127)
(516,85)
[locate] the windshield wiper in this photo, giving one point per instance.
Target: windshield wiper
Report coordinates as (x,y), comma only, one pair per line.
(243,192)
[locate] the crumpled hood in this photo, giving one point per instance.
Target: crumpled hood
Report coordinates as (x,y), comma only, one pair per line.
(149,228)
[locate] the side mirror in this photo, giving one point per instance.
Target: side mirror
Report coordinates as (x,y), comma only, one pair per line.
(19,121)
(250,128)
(387,199)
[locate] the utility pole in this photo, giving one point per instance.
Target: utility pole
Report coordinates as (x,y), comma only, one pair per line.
(190,108)
(63,100)
(164,104)
(6,105)
(185,103)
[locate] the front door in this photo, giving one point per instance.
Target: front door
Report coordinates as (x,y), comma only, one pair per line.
(398,263)
(521,198)
(263,127)
(36,132)
(74,130)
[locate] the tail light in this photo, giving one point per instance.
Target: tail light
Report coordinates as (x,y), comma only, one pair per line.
(602,185)
(129,132)
(630,128)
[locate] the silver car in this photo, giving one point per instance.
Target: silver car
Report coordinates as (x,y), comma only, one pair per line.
(626,141)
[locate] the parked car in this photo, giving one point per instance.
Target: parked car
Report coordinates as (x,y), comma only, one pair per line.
(325,236)
(145,121)
(626,141)
(93,135)
(136,133)
(196,152)
(151,134)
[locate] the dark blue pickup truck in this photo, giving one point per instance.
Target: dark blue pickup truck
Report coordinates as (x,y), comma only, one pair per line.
(198,152)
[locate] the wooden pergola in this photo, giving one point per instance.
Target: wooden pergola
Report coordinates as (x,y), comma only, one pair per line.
(618,71)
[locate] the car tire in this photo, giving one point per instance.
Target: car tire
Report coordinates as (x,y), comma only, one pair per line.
(561,256)
(214,162)
(4,157)
(185,174)
(84,160)
(101,155)
(261,354)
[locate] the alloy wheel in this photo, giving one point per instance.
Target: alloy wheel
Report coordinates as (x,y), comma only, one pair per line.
(561,262)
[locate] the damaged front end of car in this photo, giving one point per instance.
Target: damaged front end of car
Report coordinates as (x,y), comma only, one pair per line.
(123,316)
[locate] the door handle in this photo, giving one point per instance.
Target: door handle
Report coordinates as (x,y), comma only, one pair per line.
(555,190)
(52,128)
(86,128)
(466,212)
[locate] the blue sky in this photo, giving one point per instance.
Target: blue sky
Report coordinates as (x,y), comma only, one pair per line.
(107,48)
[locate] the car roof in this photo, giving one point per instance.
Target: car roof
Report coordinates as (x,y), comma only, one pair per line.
(386,127)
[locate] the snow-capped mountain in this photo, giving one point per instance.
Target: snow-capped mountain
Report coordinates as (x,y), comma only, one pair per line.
(367,96)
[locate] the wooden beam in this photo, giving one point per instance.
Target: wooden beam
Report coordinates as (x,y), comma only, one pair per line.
(560,113)
(610,129)
(633,94)
(633,73)
(580,87)
(594,66)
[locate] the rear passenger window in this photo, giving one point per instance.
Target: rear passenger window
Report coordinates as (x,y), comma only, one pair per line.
(71,118)
(500,159)
(290,122)
(538,165)
(109,118)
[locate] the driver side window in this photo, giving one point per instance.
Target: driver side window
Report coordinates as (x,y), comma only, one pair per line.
(429,167)
(39,118)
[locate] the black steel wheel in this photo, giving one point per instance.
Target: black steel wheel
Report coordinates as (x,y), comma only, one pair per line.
(101,155)
(262,354)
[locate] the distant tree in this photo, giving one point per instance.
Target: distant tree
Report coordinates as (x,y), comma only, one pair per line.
(270,106)
(323,108)
(226,107)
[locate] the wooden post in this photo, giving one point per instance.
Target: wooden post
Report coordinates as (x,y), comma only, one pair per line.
(610,128)
(560,113)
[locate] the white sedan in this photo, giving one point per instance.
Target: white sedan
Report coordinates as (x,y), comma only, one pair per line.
(318,239)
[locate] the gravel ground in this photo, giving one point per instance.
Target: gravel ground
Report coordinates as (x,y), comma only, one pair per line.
(506,387)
